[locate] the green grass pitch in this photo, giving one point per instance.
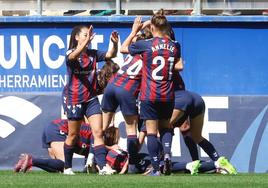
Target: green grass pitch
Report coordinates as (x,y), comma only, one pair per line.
(37,179)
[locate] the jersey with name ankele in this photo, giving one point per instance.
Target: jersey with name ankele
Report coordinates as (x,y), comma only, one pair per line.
(82,80)
(85,135)
(159,56)
(129,75)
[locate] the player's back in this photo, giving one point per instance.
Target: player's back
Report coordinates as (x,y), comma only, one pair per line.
(158,66)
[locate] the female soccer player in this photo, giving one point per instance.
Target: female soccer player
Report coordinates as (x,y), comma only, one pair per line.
(123,90)
(160,54)
(55,134)
(81,93)
(191,105)
(53,138)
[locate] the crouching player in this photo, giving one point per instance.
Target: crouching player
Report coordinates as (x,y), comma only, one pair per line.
(53,139)
(189,105)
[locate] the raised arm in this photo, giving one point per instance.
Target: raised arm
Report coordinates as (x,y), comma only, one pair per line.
(112,53)
(137,25)
(89,37)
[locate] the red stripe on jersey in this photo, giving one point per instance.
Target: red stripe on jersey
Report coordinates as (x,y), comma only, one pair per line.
(63,125)
(153,83)
(129,85)
(85,85)
(143,88)
(165,71)
(75,88)
(119,81)
(137,90)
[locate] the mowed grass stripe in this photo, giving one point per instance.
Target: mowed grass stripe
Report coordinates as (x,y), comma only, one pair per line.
(36,179)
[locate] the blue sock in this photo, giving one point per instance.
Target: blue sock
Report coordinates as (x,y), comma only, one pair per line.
(132,148)
(209,149)
(100,155)
(207,166)
(192,147)
(49,165)
(68,156)
(166,140)
(178,166)
(153,149)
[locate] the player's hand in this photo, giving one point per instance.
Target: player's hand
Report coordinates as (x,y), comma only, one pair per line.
(114,37)
(146,23)
(137,25)
(90,34)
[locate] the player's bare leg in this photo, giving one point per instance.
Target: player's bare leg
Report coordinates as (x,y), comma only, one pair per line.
(73,132)
(176,115)
(196,126)
(57,150)
(99,148)
(107,119)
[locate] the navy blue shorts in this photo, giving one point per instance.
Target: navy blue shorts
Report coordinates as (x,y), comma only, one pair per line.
(78,111)
(156,110)
(116,96)
(189,102)
(52,133)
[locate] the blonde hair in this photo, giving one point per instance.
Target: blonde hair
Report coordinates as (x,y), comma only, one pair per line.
(159,20)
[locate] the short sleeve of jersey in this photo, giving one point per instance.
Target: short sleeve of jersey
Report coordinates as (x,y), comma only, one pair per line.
(138,47)
(67,54)
(100,55)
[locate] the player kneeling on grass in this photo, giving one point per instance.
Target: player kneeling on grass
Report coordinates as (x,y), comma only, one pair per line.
(53,139)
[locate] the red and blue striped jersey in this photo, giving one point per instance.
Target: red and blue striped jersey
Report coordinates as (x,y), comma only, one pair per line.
(159,56)
(82,80)
(85,135)
(117,159)
(129,75)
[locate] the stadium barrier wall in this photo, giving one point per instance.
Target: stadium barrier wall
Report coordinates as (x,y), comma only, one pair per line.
(225,62)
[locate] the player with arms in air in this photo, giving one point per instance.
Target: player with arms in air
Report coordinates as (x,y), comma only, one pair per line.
(82,98)
(160,56)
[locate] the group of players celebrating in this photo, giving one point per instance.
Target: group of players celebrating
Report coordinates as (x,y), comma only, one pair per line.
(151,95)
